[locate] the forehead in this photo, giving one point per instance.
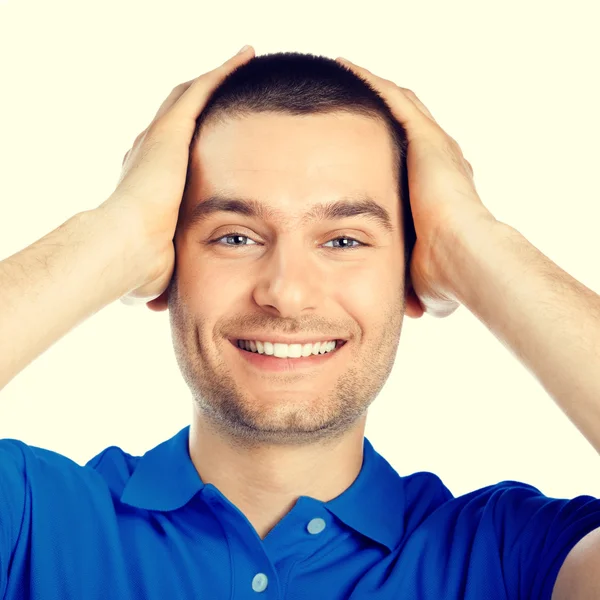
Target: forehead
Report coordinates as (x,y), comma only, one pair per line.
(290,161)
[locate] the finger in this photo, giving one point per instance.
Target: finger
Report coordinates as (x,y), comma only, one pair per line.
(175,94)
(179,90)
(470,167)
(191,102)
(404,104)
(418,102)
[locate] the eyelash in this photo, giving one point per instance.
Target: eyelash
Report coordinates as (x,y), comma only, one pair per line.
(236,233)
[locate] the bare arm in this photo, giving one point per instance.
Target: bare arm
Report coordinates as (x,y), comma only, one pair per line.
(123,248)
(56,283)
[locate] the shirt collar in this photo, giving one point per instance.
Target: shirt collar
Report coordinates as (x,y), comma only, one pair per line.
(165,478)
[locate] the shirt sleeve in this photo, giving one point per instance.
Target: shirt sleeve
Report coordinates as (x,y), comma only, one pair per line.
(536,533)
(12,503)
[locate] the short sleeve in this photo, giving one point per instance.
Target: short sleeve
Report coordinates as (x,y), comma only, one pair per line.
(12,503)
(536,533)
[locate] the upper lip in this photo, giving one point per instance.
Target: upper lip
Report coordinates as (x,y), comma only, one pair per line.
(280,339)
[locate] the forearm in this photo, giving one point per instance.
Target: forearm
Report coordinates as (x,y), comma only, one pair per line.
(56,283)
(548,319)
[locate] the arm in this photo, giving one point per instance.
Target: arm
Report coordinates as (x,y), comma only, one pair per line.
(551,322)
(548,319)
(56,283)
(100,255)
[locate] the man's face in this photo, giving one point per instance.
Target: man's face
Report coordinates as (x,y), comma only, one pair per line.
(287,275)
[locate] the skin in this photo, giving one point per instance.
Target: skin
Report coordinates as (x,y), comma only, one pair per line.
(264,439)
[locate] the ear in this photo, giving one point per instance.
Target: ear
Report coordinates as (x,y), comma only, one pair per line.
(414,309)
(161,303)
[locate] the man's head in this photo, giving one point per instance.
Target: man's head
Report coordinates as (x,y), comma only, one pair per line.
(303,84)
(281,136)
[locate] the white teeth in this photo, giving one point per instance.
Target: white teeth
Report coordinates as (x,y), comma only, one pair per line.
(280,350)
(294,350)
(286,350)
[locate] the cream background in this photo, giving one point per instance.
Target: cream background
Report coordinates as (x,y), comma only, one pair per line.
(513,83)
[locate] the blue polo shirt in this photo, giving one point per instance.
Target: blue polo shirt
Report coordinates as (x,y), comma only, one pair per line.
(133,528)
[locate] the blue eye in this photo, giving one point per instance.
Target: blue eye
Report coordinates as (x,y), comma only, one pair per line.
(232,236)
(346,247)
(235,235)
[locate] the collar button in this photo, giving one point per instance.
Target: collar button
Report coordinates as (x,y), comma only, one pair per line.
(316,526)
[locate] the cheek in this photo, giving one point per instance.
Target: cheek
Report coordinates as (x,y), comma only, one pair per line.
(204,285)
(367,289)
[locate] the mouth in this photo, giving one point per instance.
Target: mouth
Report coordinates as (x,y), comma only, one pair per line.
(269,361)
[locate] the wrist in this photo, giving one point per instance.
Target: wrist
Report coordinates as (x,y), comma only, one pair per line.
(122,241)
(460,250)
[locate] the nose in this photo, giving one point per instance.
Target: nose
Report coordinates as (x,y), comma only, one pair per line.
(290,283)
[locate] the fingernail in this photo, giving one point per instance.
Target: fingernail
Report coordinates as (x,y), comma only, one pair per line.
(246,47)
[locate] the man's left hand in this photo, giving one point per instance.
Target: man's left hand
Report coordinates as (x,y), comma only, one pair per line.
(443,198)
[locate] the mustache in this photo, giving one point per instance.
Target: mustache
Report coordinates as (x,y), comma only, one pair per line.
(313,326)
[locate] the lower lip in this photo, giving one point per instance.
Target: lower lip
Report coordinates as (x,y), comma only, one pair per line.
(272,363)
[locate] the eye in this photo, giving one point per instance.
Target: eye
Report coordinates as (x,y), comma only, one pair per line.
(346,247)
(232,238)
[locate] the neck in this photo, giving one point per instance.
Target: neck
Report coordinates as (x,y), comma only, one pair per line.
(264,482)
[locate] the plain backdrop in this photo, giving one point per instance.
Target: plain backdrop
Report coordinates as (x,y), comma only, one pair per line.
(514,83)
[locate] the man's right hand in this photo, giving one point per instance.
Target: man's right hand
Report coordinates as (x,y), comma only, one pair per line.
(152,182)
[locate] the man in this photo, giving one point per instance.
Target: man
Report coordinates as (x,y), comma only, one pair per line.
(287,259)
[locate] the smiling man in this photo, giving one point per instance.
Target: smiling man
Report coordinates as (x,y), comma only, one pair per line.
(288,266)
(287,301)
(288,298)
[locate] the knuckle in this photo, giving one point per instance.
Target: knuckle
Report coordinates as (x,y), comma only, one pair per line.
(394,91)
(182,87)
(449,146)
(453,144)
(413,97)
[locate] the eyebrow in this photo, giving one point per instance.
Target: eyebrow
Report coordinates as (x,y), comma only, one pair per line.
(326,211)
